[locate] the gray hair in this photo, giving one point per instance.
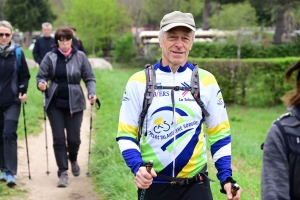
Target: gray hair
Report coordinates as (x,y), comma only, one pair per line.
(46,24)
(6,24)
(161,35)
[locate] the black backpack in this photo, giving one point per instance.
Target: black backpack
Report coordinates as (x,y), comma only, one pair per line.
(151,87)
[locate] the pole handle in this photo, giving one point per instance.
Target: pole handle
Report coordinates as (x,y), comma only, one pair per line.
(149,166)
(234,188)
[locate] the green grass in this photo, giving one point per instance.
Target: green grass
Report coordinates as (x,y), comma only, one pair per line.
(113,178)
(28,53)
(6,192)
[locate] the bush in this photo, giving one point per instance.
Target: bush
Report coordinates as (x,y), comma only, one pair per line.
(250,82)
(248,50)
(124,48)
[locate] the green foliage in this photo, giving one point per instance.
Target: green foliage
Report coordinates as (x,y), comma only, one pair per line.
(28,15)
(112,177)
(97,24)
(248,50)
(234,16)
(124,48)
(250,82)
(155,9)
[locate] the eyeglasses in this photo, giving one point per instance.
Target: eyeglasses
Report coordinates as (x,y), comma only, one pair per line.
(64,41)
(6,34)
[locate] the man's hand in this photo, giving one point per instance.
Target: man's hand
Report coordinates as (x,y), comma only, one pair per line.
(92,99)
(143,179)
(227,188)
(42,86)
(23,97)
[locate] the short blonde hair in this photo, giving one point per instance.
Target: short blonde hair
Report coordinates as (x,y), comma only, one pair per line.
(6,24)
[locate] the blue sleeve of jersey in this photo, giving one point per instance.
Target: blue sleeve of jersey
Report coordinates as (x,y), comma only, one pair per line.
(133,159)
(223,164)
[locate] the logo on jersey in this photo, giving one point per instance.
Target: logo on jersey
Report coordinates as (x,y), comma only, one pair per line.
(220,99)
(166,131)
(125,96)
(184,84)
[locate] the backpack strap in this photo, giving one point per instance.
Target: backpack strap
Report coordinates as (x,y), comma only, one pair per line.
(195,90)
(283,132)
(148,96)
(281,128)
(18,57)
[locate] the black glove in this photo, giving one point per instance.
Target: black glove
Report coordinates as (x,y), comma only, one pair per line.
(22,90)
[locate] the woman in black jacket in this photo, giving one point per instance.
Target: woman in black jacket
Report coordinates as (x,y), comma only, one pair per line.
(14,77)
(281,159)
(64,67)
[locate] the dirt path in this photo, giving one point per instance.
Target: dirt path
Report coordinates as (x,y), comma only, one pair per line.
(44,187)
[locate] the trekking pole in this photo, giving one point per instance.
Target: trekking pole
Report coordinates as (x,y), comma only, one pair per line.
(148,166)
(25,130)
(90,137)
(44,108)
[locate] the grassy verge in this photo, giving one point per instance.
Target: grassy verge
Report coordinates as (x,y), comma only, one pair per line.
(113,178)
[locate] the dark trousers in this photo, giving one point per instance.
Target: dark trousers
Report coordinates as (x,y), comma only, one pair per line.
(61,120)
(164,191)
(9,117)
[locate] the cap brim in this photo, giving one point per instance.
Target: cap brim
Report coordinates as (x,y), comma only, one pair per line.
(172,25)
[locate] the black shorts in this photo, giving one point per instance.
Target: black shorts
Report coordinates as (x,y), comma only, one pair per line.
(164,191)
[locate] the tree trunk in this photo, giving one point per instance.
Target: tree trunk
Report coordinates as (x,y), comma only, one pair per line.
(205,14)
(279,26)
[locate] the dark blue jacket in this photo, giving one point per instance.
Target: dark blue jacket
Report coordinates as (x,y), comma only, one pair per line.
(11,78)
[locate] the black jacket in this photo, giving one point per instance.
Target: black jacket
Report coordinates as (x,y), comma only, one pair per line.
(11,78)
(41,47)
(281,159)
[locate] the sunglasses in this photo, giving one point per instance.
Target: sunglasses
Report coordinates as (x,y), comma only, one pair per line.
(6,34)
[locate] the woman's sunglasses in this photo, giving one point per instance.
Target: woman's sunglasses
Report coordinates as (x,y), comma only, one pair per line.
(6,34)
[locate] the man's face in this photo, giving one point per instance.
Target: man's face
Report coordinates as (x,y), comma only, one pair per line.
(46,31)
(176,45)
(5,35)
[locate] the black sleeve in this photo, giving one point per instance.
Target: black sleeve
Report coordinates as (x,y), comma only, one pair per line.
(36,52)
(81,48)
(24,74)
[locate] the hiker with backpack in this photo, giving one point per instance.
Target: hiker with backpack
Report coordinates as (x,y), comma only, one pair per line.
(281,149)
(64,67)
(76,41)
(14,77)
(164,108)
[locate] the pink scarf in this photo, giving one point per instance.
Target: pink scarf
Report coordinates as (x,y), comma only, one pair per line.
(65,53)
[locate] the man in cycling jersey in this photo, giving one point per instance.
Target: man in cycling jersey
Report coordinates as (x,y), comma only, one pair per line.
(172,131)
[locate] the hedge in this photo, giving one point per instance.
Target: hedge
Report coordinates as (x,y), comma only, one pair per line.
(250,82)
(248,50)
